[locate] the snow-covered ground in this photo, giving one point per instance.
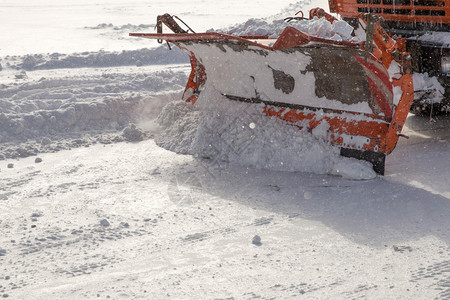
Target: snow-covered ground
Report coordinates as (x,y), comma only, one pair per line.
(91,205)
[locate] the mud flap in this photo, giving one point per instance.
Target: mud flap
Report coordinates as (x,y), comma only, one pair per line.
(376,158)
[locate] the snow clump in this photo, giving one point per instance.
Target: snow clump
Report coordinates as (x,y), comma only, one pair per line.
(226,132)
(133,134)
(338,30)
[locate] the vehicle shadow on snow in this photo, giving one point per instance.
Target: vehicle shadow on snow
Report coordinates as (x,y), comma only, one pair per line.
(377,212)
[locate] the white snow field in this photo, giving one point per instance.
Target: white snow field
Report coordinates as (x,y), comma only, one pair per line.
(112,187)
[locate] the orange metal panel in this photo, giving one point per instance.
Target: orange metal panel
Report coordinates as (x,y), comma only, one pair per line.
(373,129)
(407,11)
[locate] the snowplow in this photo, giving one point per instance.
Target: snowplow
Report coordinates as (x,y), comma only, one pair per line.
(342,87)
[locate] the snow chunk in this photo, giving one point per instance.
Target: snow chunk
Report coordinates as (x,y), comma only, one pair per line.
(227,132)
(339,30)
(105,223)
(342,28)
(351,168)
(395,71)
(428,88)
(256,240)
(321,131)
(133,134)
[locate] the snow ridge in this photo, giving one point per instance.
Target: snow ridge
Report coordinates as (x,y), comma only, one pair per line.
(85,108)
(100,59)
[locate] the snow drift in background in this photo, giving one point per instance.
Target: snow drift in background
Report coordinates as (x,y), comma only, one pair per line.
(223,132)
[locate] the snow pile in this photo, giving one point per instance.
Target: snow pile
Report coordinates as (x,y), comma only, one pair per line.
(427,88)
(179,123)
(68,117)
(338,30)
(80,108)
(51,102)
(71,104)
(226,132)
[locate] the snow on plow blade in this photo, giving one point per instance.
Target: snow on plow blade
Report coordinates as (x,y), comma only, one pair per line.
(306,81)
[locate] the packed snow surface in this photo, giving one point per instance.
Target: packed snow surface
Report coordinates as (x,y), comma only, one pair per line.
(91,207)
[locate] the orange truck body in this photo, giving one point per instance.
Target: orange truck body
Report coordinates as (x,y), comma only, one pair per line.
(410,22)
(410,11)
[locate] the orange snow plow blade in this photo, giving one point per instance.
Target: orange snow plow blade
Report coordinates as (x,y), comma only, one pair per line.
(307,81)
